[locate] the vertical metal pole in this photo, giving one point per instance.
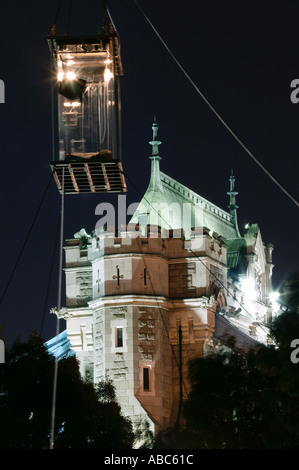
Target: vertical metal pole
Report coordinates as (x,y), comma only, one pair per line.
(54,127)
(52,436)
(181,376)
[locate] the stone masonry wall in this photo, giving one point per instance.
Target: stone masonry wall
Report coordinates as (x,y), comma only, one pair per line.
(154,352)
(84,282)
(99,346)
(180,280)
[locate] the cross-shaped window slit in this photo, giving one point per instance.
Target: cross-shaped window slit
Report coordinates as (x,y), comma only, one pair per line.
(98,281)
(145,276)
(118,276)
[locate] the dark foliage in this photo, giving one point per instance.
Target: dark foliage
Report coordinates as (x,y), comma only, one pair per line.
(144,436)
(243,403)
(86,417)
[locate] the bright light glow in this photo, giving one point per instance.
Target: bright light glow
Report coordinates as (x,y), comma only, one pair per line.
(71,75)
(72,104)
(108,75)
(70,62)
(107,61)
(274,296)
(60,76)
(248,288)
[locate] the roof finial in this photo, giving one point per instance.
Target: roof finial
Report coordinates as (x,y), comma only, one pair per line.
(232,202)
(232,182)
(155,181)
(155,143)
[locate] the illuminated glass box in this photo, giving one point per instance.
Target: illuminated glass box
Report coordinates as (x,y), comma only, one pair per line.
(88,108)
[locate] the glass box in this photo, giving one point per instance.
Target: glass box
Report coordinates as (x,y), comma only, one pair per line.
(88,102)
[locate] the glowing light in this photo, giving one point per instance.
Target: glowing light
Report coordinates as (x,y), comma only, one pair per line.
(274,296)
(107,61)
(70,62)
(108,75)
(248,288)
(72,104)
(60,76)
(71,75)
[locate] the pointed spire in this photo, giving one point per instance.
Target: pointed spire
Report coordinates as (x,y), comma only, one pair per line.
(232,181)
(155,143)
(155,181)
(232,202)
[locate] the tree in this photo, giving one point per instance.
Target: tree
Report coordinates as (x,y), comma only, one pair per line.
(241,402)
(290,291)
(144,437)
(93,420)
(83,418)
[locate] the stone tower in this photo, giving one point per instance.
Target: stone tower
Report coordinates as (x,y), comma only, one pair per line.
(141,303)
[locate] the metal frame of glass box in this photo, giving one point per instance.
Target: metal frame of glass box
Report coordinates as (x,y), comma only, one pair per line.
(87,113)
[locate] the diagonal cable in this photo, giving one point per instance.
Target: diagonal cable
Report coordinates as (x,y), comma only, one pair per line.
(50,276)
(25,241)
(261,165)
(196,256)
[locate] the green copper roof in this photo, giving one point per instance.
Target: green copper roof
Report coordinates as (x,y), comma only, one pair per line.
(167,202)
(236,249)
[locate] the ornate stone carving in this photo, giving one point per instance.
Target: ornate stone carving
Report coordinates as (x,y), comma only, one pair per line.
(119,312)
(63,313)
(206,302)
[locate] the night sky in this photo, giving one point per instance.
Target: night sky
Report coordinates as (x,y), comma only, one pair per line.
(242,55)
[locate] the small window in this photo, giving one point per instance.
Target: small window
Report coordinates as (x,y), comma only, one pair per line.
(119,337)
(146,385)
